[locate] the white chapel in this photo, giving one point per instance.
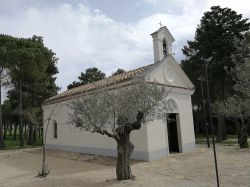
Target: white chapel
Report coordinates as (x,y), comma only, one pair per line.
(156,139)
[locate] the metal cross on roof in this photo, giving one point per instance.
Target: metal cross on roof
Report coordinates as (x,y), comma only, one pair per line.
(160,24)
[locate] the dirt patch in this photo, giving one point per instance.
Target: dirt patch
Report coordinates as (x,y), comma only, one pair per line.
(19,168)
(97,159)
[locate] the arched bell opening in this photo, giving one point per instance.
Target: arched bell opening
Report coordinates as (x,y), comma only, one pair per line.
(164,47)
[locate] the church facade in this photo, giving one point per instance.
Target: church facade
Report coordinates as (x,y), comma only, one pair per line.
(156,139)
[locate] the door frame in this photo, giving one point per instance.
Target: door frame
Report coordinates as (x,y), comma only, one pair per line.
(178,132)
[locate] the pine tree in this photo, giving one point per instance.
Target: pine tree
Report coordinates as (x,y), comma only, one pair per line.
(90,75)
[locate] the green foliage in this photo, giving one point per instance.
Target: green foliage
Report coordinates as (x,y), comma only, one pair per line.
(9,112)
(238,105)
(31,63)
(216,32)
(29,56)
(11,144)
(90,75)
(118,71)
(219,35)
(31,69)
(231,141)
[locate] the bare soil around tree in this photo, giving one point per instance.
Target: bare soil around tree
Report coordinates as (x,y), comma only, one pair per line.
(20,167)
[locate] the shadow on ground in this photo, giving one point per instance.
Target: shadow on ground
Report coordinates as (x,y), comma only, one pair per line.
(97,159)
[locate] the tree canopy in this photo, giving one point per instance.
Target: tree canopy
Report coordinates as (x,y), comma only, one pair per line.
(117,113)
(237,106)
(90,75)
(218,37)
(31,69)
(118,71)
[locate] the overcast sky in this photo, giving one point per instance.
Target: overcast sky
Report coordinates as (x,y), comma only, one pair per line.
(108,34)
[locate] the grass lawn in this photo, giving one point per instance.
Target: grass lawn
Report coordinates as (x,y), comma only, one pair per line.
(11,144)
(231,140)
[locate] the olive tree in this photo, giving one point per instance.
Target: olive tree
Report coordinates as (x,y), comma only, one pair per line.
(116,113)
(238,105)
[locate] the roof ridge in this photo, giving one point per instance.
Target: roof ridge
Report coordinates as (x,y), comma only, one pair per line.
(113,79)
(113,76)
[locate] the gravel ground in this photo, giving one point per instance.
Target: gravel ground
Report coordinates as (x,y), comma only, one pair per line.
(20,167)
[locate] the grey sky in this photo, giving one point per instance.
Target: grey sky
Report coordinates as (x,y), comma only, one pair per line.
(107,34)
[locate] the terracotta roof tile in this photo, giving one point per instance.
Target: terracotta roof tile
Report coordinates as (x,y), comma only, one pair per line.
(98,84)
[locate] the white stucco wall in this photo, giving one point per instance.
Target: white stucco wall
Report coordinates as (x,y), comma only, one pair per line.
(185,120)
(157,135)
(151,141)
(73,139)
(158,37)
(157,130)
(169,72)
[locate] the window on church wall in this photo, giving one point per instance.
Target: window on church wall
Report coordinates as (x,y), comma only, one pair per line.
(164,47)
(55,129)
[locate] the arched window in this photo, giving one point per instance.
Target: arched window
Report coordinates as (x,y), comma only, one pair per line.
(164,47)
(55,129)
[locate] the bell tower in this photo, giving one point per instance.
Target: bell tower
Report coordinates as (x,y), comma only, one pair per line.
(162,43)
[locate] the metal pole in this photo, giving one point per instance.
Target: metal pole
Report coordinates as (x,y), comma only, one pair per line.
(210,121)
(204,112)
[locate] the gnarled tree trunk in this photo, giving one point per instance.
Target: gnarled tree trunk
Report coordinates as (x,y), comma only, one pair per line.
(30,135)
(5,130)
(15,130)
(124,149)
(10,129)
(2,144)
(222,130)
(21,115)
(243,135)
(25,131)
(34,134)
(39,132)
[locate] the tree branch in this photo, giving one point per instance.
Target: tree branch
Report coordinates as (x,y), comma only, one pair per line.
(104,132)
(137,125)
